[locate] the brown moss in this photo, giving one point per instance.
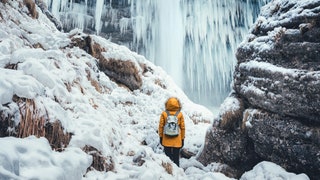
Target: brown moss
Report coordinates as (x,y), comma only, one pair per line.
(68,86)
(94,82)
(168,167)
(145,68)
(99,162)
(56,136)
(86,43)
(78,42)
(244,120)
(252,114)
(76,83)
(160,83)
(32,8)
(231,119)
(96,50)
(93,104)
(37,45)
(279,35)
(122,72)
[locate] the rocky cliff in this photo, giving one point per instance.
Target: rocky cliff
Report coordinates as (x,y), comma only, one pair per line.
(273,113)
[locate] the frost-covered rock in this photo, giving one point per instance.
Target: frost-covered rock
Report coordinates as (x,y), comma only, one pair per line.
(286,141)
(278,79)
(279,68)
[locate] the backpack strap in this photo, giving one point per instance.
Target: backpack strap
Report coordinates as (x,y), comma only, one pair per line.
(176,114)
(168,114)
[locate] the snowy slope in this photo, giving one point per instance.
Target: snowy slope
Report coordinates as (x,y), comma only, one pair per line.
(115,121)
(118,122)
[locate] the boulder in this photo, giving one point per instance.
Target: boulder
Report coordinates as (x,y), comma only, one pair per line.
(287,142)
(125,72)
(277,80)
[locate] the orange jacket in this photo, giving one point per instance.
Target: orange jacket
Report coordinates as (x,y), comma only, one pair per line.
(172,105)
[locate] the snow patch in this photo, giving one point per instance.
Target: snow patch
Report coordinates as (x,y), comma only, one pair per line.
(269,170)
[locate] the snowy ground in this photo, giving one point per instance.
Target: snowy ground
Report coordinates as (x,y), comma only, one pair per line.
(115,121)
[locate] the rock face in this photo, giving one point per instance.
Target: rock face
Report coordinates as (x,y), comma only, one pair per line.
(124,72)
(276,82)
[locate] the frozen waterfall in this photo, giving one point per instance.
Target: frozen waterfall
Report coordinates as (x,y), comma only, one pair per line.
(159,28)
(193,40)
(200,35)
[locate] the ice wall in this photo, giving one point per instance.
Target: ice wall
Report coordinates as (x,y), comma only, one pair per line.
(78,13)
(204,46)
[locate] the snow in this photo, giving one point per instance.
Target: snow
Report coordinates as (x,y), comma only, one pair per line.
(272,16)
(296,10)
(230,104)
(270,171)
(32,158)
(115,121)
(265,66)
(23,85)
(250,113)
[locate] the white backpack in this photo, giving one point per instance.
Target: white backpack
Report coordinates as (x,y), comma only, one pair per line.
(171,127)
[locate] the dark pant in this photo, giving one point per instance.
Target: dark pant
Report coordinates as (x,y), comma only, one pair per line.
(173,154)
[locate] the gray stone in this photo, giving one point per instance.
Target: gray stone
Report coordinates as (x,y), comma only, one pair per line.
(286,142)
(278,80)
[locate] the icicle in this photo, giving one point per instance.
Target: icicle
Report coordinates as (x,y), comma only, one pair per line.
(98,14)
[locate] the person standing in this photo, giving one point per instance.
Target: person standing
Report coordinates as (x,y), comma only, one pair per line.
(172,143)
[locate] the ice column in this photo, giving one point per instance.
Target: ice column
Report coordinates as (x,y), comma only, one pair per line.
(169,39)
(98,14)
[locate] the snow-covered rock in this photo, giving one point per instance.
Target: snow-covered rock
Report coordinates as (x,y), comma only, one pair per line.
(277,79)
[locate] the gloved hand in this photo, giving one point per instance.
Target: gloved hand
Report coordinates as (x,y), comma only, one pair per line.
(161,140)
(182,143)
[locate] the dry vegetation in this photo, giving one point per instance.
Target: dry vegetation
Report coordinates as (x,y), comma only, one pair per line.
(168,167)
(94,82)
(31,122)
(231,119)
(34,121)
(122,72)
(99,162)
(244,120)
(32,8)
